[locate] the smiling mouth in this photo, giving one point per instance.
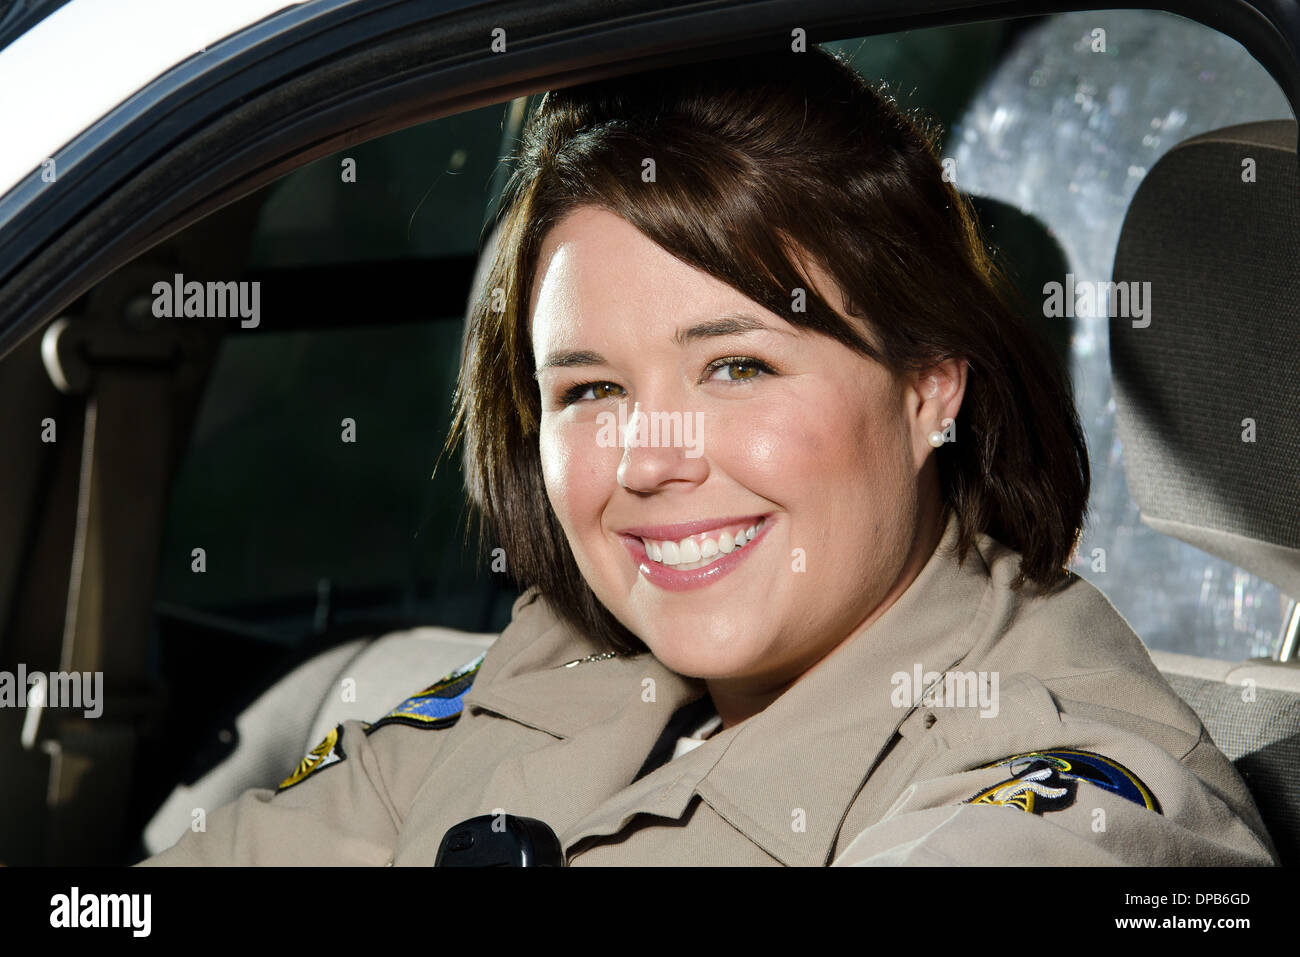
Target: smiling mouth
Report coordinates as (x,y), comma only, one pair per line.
(705,548)
(693,568)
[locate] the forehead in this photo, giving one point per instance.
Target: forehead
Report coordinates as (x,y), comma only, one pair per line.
(595,263)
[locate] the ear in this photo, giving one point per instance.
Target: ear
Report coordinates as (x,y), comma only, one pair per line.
(933,398)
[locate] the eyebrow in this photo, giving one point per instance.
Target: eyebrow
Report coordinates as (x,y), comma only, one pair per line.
(731,324)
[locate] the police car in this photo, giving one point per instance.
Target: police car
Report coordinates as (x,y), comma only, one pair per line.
(236,245)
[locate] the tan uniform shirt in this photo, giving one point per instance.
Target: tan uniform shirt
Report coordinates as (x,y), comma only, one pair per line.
(857,763)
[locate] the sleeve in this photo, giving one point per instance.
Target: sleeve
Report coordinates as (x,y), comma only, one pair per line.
(1099,795)
(336,808)
(345,802)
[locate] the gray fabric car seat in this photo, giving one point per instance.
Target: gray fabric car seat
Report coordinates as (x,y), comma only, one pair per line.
(1207,400)
(1252,711)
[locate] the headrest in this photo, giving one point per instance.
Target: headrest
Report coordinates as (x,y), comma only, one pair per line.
(1207,380)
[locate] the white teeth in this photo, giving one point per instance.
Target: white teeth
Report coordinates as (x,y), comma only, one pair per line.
(689,553)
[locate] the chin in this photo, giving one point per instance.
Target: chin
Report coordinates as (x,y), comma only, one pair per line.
(698,657)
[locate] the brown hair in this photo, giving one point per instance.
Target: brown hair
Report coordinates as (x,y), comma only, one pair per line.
(760,159)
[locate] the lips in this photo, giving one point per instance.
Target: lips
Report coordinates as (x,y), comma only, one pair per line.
(673,580)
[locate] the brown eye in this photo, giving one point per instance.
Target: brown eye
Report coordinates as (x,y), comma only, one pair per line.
(579,392)
(741,368)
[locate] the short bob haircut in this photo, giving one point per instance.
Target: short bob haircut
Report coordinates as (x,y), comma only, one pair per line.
(760,160)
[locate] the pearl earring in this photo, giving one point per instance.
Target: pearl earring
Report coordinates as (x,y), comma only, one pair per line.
(936,439)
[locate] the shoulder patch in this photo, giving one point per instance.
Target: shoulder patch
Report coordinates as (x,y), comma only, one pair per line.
(330,751)
(1043,781)
(437,706)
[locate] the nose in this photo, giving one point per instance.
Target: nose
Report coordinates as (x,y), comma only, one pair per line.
(661,448)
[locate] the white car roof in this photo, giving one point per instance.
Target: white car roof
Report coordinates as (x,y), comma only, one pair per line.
(88,56)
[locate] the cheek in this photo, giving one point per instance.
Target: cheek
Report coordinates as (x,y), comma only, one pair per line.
(815,440)
(757,447)
(838,459)
(573,468)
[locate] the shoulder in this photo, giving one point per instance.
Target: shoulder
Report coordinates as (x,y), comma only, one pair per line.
(1077,643)
(1033,782)
(440,703)
(437,706)
(1074,677)
(524,645)
(1070,626)
(528,636)
(1075,610)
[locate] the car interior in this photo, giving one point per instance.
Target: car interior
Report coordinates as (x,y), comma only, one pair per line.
(252,533)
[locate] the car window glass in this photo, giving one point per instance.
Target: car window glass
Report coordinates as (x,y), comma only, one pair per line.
(417,193)
(1065,128)
(308,479)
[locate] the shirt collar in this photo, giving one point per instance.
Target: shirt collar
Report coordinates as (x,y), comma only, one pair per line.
(787,776)
(540,676)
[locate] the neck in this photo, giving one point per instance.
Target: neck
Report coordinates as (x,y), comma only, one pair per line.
(739,699)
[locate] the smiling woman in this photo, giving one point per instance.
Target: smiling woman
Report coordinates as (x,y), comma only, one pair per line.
(833,626)
(775,255)
(813,452)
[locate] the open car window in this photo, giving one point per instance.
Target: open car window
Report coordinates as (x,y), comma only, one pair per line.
(305,512)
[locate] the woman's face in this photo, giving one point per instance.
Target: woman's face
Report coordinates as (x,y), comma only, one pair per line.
(827,449)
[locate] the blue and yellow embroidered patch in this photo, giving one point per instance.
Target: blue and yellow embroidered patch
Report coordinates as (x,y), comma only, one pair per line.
(328,752)
(437,706)
(1045,781)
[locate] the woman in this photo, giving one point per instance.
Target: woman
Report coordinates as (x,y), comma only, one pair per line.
(793,491)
